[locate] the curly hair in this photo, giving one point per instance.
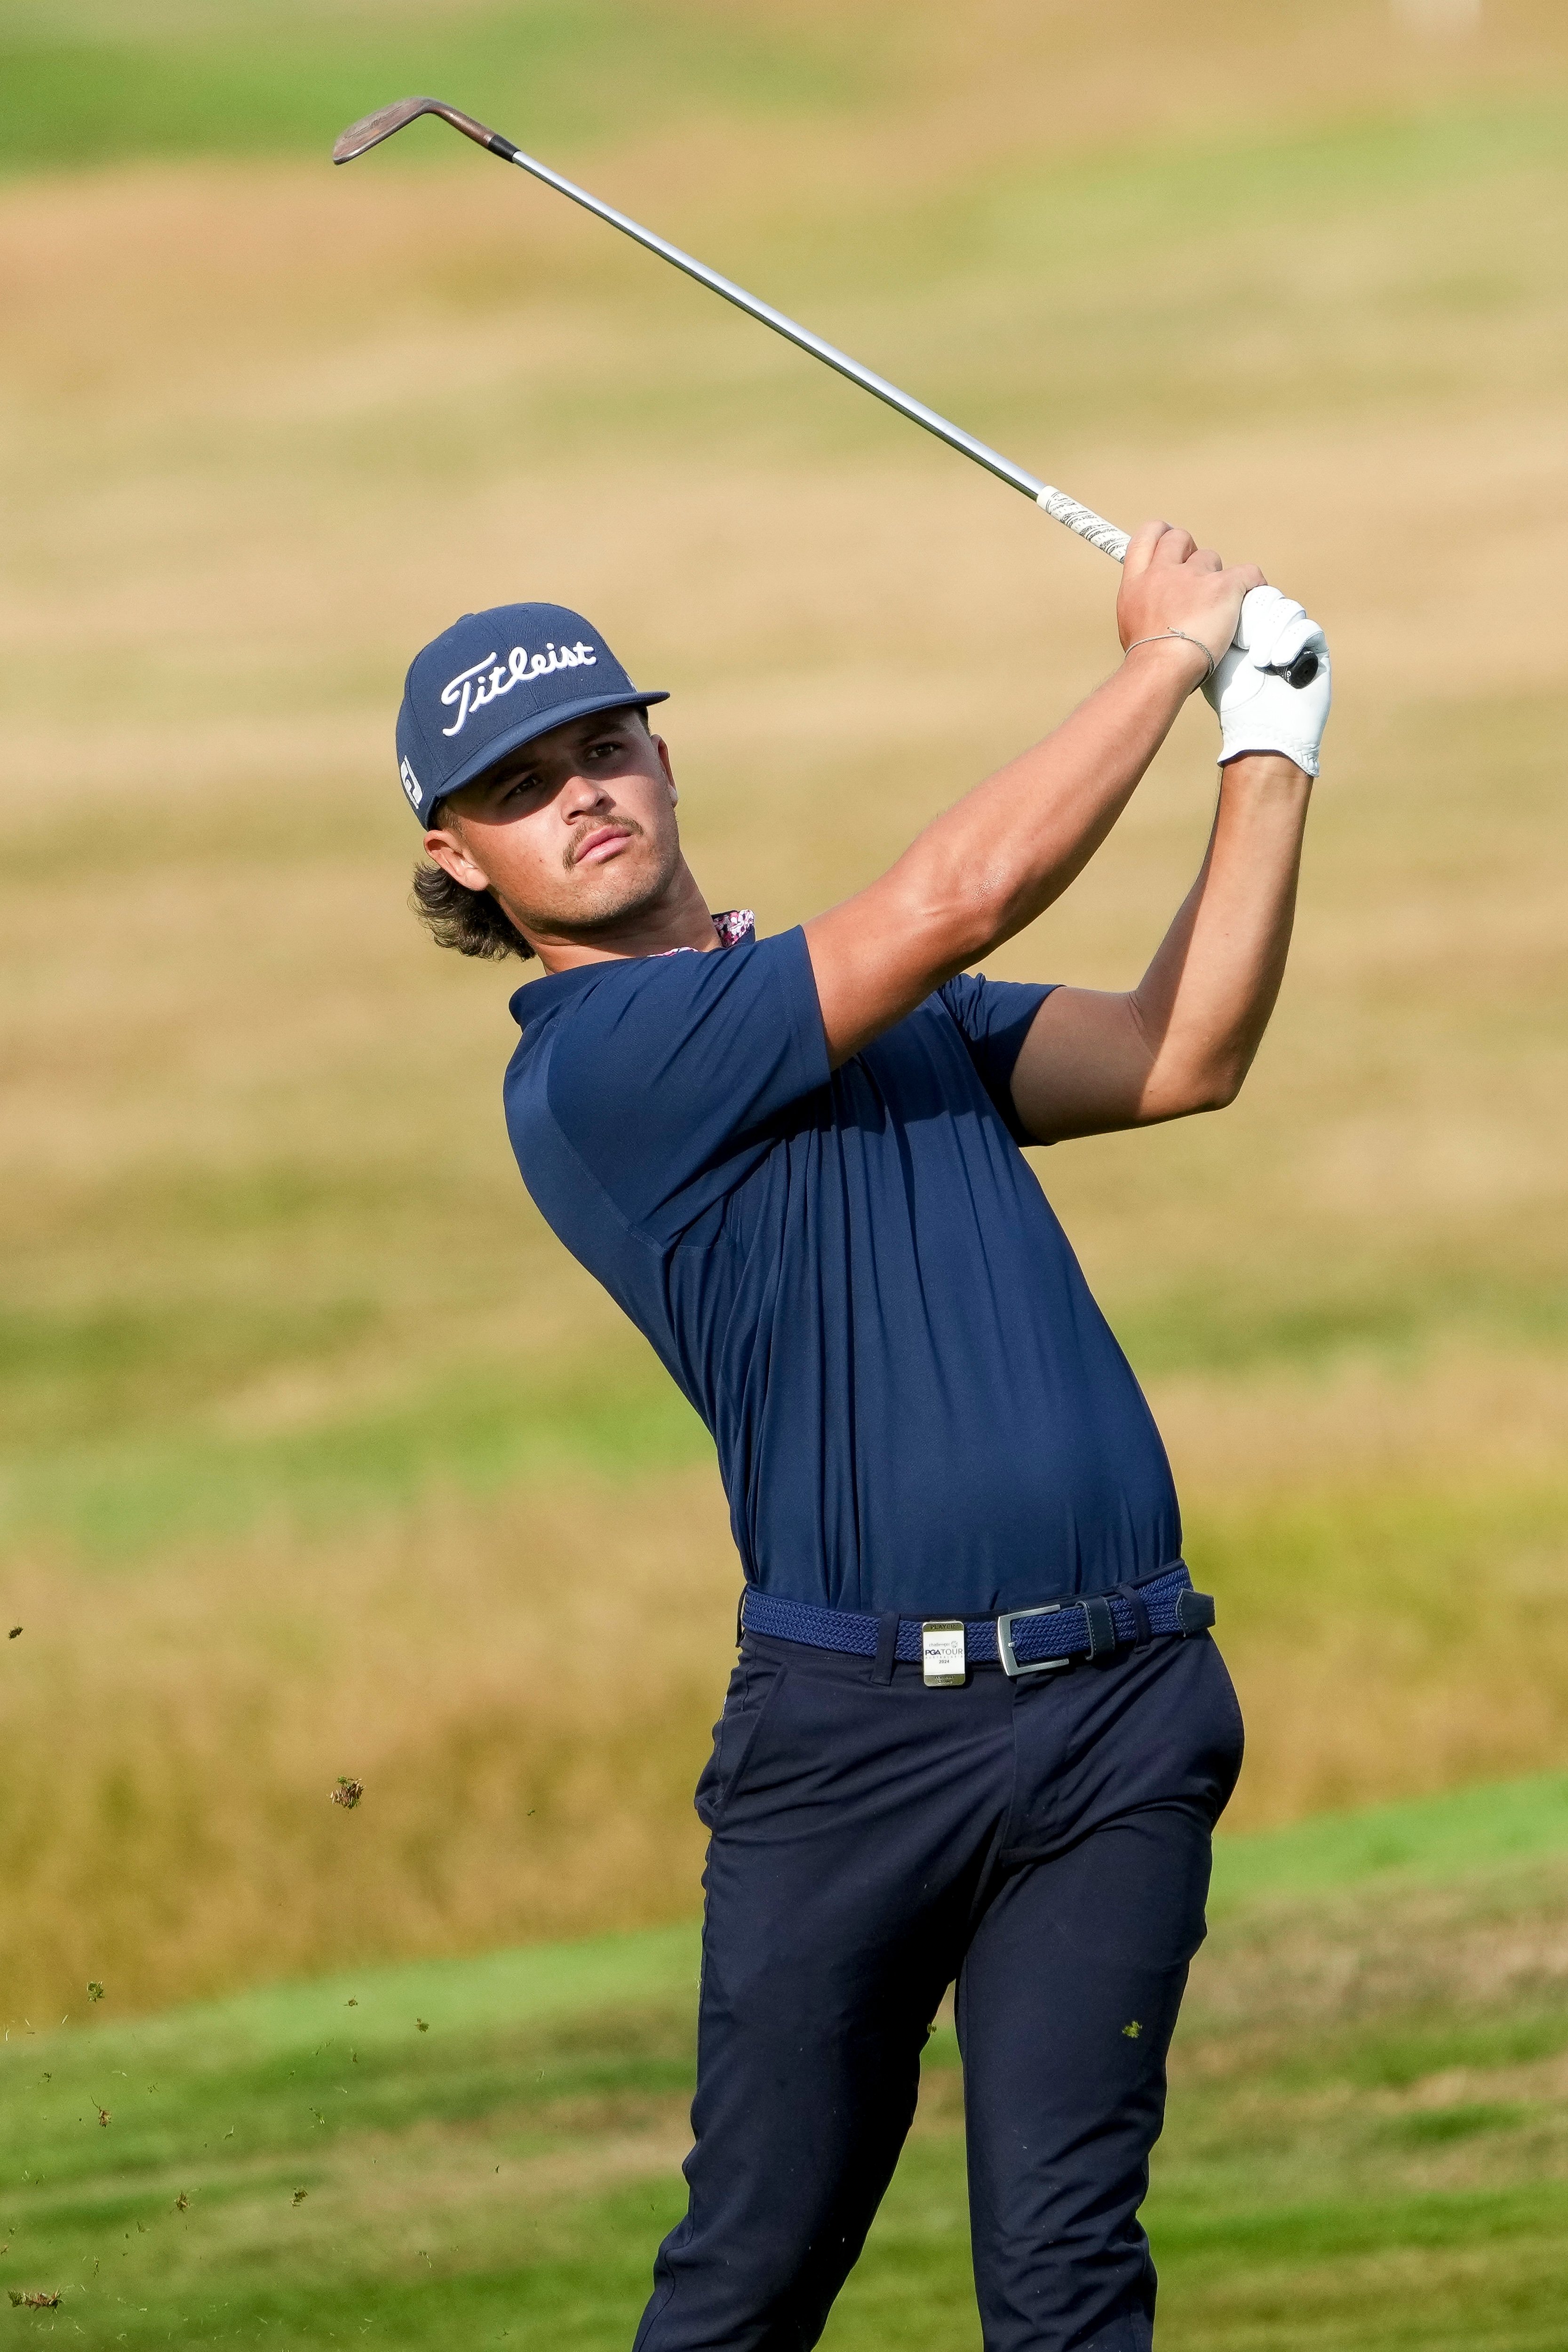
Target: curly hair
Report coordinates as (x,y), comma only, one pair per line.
(473,921)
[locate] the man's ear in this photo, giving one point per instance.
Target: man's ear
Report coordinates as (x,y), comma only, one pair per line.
(662,748)
(450,853)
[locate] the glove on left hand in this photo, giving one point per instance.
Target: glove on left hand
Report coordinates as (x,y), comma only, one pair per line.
(1259,708)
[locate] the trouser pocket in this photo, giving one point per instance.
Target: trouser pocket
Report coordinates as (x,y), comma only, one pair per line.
(752,1688)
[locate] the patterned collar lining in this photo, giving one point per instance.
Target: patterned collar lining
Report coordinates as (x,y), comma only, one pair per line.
(733,928)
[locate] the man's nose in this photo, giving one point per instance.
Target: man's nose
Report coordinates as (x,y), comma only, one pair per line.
(583,794)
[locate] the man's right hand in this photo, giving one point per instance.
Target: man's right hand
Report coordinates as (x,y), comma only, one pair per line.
(1168,582)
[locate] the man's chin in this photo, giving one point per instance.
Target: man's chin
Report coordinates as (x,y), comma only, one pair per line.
(614,902)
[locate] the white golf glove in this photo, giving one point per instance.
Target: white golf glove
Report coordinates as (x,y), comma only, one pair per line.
(1260,708)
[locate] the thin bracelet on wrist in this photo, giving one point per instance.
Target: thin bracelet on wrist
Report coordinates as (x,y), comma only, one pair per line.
(1183,634)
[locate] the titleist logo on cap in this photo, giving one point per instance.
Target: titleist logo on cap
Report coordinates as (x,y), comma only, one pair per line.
(485,681)
(442,748)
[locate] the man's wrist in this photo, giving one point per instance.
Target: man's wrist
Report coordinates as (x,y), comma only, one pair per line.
(1191,656)
(1263,771)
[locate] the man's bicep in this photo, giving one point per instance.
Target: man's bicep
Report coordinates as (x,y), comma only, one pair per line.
(1083,1067)
(873,960)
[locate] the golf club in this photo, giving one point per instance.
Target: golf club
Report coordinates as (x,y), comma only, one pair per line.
(361,136)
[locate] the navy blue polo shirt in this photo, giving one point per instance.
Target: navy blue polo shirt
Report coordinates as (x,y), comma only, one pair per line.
(852,1274)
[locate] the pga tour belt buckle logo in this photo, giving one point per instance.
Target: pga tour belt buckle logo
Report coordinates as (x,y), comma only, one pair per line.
(942,1652)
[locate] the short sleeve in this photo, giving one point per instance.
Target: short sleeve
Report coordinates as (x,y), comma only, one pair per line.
(667,1069)
(994,1017)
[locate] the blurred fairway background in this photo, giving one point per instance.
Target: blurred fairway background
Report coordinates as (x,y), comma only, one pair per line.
(317,1455)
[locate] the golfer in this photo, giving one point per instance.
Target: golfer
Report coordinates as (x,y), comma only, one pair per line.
(978,1732)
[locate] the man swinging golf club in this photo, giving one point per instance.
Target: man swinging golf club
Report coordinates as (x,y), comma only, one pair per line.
(978,1731)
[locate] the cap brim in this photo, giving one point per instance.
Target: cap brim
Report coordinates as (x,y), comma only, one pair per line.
(528,731)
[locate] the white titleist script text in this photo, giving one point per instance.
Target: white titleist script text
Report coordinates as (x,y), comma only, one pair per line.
(472,689)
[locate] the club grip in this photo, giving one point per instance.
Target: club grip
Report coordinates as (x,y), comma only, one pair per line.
(1086,523)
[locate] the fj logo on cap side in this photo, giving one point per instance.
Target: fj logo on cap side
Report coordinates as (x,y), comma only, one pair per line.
(411,785)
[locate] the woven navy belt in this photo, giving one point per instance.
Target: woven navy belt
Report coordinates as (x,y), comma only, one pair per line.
(1021,1641)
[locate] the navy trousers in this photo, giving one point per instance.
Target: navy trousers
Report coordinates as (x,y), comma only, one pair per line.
(1046,1844)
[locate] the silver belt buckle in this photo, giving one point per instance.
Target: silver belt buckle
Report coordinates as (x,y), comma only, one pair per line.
(1011,1664)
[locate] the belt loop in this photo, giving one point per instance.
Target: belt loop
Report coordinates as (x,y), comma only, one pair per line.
(1142,1632)
(1100,1619)
(741,1618)
(887,1648)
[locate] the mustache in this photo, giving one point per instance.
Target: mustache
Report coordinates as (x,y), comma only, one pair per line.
(615,824)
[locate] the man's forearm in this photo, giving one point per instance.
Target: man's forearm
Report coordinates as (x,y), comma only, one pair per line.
(993,862)
(988,865)
(1205,1000)
(1182,1039)
(1001,856)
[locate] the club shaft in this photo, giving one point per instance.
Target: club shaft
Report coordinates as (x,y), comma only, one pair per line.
(1079,519)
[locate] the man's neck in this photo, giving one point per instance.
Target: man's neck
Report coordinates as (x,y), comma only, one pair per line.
(678,920)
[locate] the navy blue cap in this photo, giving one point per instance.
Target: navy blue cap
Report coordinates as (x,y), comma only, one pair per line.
(492,682)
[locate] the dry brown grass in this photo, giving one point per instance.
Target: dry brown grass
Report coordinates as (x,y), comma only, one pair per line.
(277,426)
(521,1690)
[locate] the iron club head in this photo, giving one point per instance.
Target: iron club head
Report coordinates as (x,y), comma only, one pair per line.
(374,127)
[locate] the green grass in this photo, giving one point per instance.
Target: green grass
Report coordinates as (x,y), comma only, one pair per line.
(1433,1841)
(1368,2148)
(110,1446)
(470,1429)
(80,84)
